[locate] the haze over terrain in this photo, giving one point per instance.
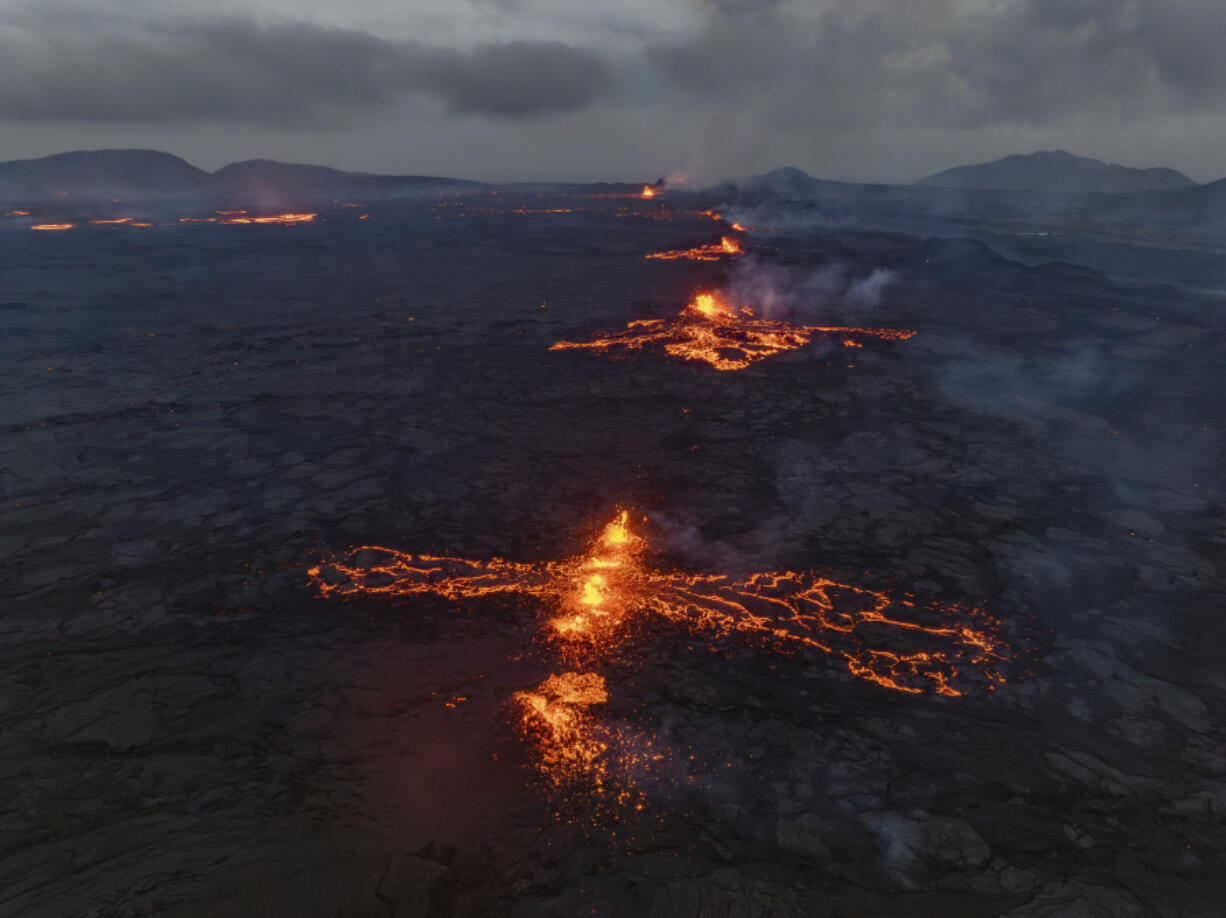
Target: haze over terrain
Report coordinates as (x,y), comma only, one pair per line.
(548,90)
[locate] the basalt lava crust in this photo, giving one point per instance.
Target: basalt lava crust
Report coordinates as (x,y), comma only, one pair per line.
(198,416)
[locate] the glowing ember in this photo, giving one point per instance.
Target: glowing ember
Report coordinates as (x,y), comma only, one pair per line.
(117,220)
(555,716)
(647,192)
(52,226)
(596,601)
(18,213)
(714,252)
(709,330)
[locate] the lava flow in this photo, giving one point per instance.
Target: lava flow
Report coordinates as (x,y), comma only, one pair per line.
(713,252)
(710,330)
(230,218)
(597,601)
(647,192)
(276,218)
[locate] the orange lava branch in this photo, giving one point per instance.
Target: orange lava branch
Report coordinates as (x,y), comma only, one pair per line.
(727,246)
(590,602)
(711,331)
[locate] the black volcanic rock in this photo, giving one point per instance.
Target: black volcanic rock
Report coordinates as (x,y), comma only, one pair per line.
(100,173)
(1057,171)
(199,411)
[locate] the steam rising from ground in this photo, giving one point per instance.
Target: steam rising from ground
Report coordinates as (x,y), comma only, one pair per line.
(790,294)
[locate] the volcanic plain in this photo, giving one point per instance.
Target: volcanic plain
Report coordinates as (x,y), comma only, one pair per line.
(198,415)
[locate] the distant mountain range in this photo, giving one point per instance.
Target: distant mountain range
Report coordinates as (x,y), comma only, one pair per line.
(1058,171)
(152,174)
(1041,189)
(85,173)
(913,208)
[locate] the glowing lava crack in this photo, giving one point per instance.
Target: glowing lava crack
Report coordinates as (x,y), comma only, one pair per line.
(711,331)
(596,600)
(727,246)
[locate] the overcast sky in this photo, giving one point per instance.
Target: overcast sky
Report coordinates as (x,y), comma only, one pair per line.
(888,90)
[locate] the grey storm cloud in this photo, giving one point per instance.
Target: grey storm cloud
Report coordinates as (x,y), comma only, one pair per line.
(290,74)
(954,63)
(708,88)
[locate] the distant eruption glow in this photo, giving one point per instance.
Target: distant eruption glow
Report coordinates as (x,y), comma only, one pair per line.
(711,331)
(594,602)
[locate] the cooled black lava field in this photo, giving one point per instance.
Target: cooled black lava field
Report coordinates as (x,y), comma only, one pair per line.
(195,416)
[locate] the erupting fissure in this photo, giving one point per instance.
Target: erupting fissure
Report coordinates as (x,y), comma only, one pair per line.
(726,247)
(594,602)
(710,330)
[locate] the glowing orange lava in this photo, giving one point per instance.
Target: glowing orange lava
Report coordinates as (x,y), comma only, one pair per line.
(276,218)
(555,716)
(647,192)
(713,252)
(232,217)
(18,213)
(117,220)
(595,602)
(710,330)
(52,226)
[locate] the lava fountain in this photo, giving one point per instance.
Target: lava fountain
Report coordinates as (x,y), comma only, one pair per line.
(594,603)
(711,331)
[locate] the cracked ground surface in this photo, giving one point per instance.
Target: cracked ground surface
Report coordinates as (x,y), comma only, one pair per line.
(192,415)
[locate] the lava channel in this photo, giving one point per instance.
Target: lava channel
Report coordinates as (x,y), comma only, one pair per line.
(594,603)
(711,331)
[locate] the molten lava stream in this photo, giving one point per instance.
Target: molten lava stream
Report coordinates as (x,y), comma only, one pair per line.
(276,218)
(726,247)
(711,331)
(596,602)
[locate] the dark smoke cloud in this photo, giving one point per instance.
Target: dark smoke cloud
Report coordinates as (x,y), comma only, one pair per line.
(955,63)
(289,74)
